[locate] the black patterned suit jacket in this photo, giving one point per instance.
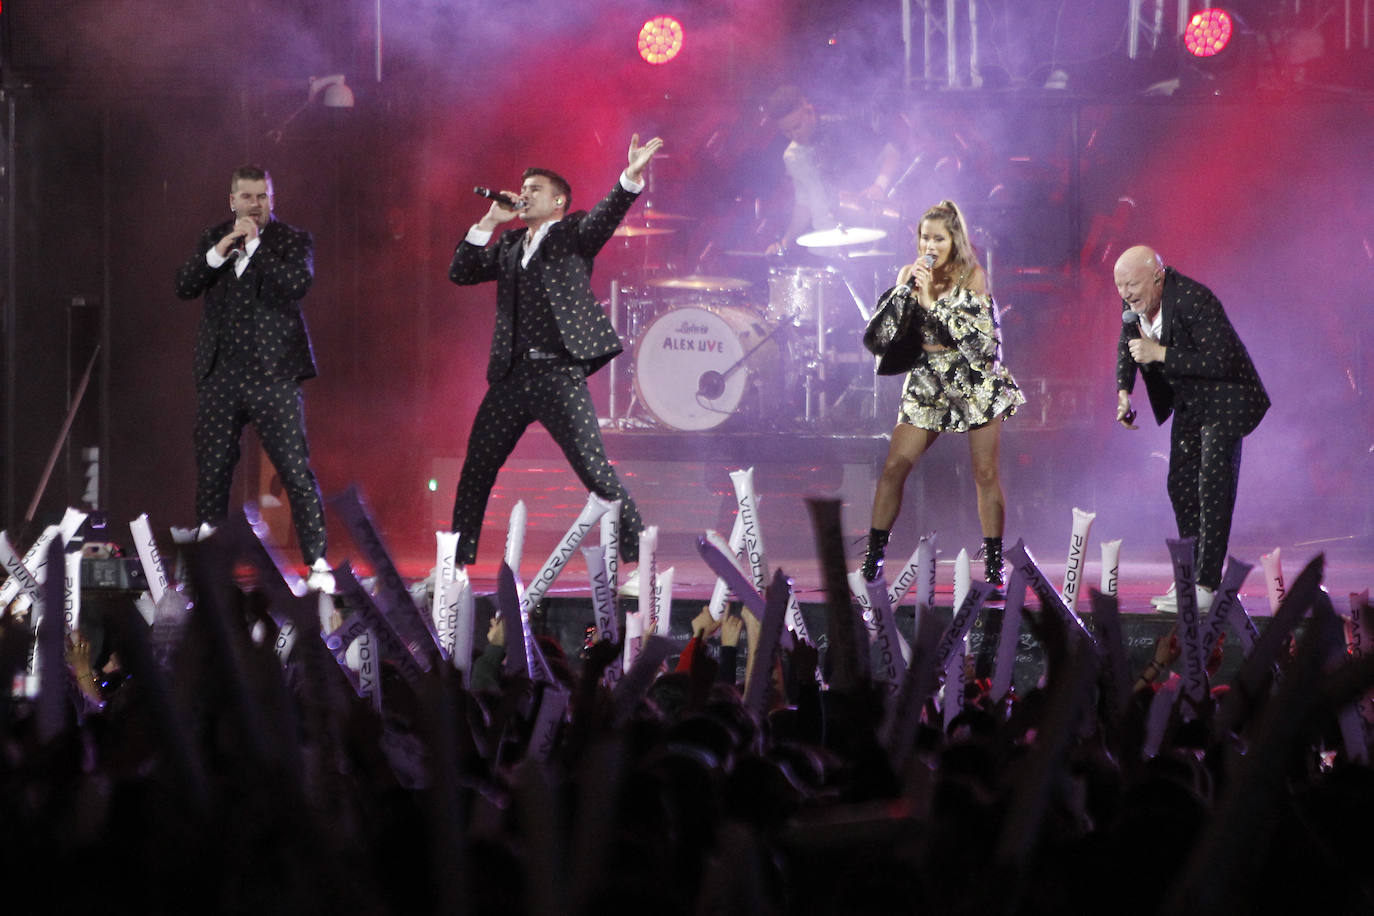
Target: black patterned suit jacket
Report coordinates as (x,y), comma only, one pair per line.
(565,258)
(1206,374)
(273,285)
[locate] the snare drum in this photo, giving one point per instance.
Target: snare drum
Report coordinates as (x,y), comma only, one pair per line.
(691,372)
(796,294)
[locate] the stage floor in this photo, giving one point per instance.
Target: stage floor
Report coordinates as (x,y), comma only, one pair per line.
(683,486)
(1138,582)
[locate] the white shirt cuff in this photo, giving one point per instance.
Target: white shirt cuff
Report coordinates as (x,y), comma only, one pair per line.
(634,187)
(478,237)
(213,258)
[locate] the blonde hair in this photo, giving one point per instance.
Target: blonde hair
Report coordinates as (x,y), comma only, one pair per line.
(961,248)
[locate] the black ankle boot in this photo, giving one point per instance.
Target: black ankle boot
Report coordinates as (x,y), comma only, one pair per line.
(992,562)
(873,556)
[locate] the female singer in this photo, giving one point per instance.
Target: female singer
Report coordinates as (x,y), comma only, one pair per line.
(939,325)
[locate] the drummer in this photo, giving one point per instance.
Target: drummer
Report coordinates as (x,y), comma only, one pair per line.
(829,158)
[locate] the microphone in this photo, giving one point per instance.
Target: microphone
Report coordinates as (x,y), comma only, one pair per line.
(509,203)
(905,289)
(1131,319)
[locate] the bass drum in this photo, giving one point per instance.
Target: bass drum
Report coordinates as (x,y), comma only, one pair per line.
(691,372)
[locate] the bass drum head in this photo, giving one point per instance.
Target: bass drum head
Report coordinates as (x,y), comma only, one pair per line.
(688,370)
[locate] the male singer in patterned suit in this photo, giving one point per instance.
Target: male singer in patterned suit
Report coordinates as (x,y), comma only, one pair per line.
(551,333)
(252,352)
(1196,367)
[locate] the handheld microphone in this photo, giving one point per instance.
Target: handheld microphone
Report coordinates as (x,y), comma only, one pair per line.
(905,289)
(1131,319)
(506,201)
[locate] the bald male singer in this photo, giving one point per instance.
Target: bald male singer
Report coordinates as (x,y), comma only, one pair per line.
(1176,335)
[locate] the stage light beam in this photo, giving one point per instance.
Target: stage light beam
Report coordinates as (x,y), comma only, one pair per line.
(660,40)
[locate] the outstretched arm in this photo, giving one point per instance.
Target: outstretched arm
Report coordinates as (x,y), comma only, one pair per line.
(596,228)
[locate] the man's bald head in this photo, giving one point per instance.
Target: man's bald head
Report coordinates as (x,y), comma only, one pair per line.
(1138,255)
(1139,277)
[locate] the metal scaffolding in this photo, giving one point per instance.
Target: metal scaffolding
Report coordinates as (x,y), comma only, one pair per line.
(941,45)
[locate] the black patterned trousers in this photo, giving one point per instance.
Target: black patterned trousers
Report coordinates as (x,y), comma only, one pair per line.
(1204,469)
(226,402)
(553,392)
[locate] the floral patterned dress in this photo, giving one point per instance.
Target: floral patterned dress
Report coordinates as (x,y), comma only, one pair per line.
(965,386)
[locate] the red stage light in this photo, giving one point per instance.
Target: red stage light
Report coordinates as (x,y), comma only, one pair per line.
(1208,33)
(660,39)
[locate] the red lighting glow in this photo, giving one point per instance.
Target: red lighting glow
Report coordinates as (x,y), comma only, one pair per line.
(1208,33)
(660,39)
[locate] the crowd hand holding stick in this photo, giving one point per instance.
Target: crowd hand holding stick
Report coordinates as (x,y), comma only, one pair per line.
(731,626)
(1166,653)
(704,625)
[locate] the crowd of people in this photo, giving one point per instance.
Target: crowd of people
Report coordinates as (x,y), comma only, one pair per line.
(197,771)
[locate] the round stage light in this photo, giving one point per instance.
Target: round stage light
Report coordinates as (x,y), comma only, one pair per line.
(660,40)
(1208,32)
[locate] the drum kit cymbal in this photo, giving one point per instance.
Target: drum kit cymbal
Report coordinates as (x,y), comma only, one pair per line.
(840,237)
(637,231)
(652,225)
(651,214)
(702,283)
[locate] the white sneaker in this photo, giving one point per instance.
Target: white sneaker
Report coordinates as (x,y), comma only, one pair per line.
(1167,603)
(321,577)
(630,588)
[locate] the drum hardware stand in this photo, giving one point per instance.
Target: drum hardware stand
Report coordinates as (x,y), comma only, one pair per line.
(617,418)
(854,294)
(615,369)
(814,407)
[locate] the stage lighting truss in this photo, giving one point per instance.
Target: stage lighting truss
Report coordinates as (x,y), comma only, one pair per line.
(660,39)
(1209,33)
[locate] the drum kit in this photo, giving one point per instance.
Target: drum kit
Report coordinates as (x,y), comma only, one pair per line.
(771,354)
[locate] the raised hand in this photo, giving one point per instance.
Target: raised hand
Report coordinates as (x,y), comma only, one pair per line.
(640,155)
